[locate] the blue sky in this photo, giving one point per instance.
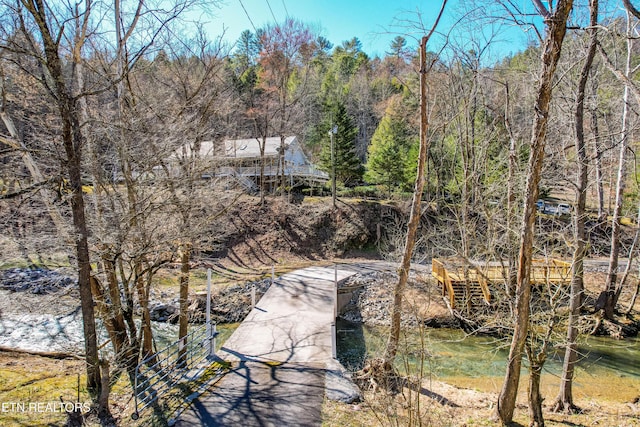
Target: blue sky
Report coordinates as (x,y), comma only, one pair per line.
(374,22)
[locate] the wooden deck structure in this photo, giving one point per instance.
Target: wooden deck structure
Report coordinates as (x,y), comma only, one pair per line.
(468,283)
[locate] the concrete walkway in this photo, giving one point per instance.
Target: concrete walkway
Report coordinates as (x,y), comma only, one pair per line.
(279,356)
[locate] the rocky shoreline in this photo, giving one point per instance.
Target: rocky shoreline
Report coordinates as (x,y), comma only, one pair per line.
(35,281)
(41,291)
(228,305)
(372,301)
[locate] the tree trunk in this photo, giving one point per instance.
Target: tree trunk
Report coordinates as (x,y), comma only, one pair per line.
(73,143)
(103,399)
(183,318)
(414,217)
(633,298)
(536,363)
(102,307)
(565,397)
(262,143)
(535,399)
(135,220)
(630,259)
(120,327)
(551,49)
(125,343)
(125,100)
(599,152)
(283,176)
(82,251)
(129,290)
(145,327)
(607,297)
(511,201)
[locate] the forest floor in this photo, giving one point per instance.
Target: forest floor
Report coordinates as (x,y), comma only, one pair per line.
(29,378)
(444,404)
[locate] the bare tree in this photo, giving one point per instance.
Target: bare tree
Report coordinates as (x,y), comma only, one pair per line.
(555,22)
(284,47)
(54,42)
(607,300)
(416,206)
(16,142)
(59,37)
(565,397)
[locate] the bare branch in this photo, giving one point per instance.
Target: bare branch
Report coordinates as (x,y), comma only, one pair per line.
(542,9)
(618,73)
(631,8)
(26,190)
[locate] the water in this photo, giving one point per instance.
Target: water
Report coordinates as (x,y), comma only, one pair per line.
(34,332)
(445,353)
(448,353)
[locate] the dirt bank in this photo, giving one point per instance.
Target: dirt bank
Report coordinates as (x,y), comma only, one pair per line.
(253,235)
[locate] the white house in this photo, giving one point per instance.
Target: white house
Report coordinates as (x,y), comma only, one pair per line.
(242,160)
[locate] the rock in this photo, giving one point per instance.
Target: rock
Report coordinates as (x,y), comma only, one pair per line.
(372,299)
(164,312)
(338,384)
(37,281)
(229,305)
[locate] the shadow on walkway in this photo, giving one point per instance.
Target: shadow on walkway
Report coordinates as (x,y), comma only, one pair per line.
(261,394)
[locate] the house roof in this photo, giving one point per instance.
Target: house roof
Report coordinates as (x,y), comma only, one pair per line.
(207,149)
(251,147)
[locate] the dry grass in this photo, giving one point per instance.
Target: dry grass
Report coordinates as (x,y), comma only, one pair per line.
(444,404)
(458,402)
(40,380)
(31,380)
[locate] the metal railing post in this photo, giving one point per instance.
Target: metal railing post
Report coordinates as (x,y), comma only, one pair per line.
(334,349)
(253,296)
(335,295)
(135,414)
(213,338)
(209,329)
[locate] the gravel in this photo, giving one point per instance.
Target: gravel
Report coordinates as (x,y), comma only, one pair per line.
(372,299)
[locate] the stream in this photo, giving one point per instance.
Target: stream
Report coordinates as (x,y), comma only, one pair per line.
(605,365)
(63,333)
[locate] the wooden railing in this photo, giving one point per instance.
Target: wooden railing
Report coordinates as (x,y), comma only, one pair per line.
(304,171)
(549,271)
(451,272)
(484,286)
(440,273)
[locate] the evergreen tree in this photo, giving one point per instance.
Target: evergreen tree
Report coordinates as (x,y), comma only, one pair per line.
(348,167)
(389,152)
(398,48)
(246,54)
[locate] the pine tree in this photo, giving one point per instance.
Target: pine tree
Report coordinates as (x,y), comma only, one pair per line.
(389,152)
(348,167)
